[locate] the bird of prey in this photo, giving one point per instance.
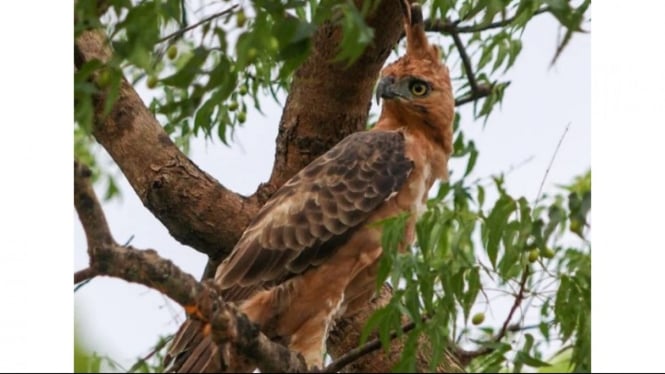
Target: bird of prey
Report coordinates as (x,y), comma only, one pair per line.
(310,256)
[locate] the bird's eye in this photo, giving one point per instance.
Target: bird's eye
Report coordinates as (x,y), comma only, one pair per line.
(418,88)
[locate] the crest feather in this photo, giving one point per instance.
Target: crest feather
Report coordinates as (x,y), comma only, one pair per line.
(416,40)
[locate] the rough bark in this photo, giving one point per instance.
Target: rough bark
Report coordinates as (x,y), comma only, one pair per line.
(328,101)
(197,210)
(146,267)
(107,257)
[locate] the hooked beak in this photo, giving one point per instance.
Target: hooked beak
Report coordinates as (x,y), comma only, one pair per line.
(385,89)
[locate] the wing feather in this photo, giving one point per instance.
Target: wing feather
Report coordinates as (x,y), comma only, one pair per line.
(318,209)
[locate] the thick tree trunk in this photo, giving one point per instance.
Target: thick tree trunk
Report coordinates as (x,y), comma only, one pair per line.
(196,209)
(326,103)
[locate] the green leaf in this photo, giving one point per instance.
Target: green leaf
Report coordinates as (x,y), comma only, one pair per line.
(509,266)
(473,157)
(356,35)
(515,49)
(111,189)
(383,321)
(407,361)
(503,51)
(473,288)
(530,360)
(385,266)
(561,363)
(202,118)
(495,223)
(486,56)
(481,196)
(544,329)
(185,75)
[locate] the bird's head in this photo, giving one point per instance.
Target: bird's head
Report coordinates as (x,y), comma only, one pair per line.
(416,88)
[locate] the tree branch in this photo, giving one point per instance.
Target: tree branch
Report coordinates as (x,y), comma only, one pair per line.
(466,356)
(346,334)
(90,212)
(183,30)
(109,258)
(230,325)
(84,275)
(448,27)
(516,304)
(483,91)
(366,348)
(466,61)
(146,267)
(549,166)
(477,90)
(453,28)
(321,83)
(196,209)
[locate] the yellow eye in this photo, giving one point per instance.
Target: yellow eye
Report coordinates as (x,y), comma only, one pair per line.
(418,88)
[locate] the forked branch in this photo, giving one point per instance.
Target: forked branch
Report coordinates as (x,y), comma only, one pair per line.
(454,29)
(146,267)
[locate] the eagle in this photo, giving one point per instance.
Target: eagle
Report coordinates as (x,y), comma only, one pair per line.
(310,256)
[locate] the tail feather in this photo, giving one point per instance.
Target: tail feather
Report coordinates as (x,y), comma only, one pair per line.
(191,351)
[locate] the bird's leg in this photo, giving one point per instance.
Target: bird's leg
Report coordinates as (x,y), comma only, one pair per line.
(310,339)
(259,308)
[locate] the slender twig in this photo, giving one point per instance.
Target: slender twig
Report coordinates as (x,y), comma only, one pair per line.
(364,349)
(466,61)
(84,275)
(477,91)
(78,286)
(536,285)
(197,24)
(473,96)
(549,166)
(487,181)
(516,304)
(161,344)
(447,27)
(467,356)
(453,28)
(131,237)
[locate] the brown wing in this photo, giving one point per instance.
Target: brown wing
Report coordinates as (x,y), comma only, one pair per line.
(317,210)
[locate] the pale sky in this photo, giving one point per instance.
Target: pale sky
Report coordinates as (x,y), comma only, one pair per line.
(124,320)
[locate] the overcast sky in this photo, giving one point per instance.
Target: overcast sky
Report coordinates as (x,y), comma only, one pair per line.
(123,320)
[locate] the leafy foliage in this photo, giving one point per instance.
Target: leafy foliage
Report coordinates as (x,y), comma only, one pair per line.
(450,266)
(474,243)
(86,362)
